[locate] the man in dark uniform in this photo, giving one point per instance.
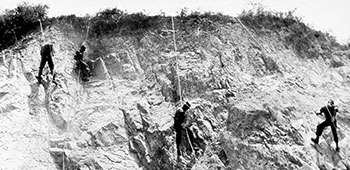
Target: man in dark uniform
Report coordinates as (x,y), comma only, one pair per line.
(330,113)
(179,119)
(82,66)
(46,53)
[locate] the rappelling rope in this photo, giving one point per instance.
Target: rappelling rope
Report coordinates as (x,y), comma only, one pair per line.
(49,96)
(85,39)
(189,141)
(64,142)
(42,32)
(173,26)
(176,58)
(87,31)
(178,80)
(47,104)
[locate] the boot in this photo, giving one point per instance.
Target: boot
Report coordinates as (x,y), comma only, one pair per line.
(39,79)
(315,140)
(337,147)
(53,76)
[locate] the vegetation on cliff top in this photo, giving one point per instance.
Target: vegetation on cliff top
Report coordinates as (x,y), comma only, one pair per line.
(17,23)
(305,41)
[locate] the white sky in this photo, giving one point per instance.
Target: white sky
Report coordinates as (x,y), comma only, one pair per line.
(326,15)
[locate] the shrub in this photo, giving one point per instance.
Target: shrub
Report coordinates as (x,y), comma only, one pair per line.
(19,22)
(117,21)
(305,41)
(206,21)
(78,23)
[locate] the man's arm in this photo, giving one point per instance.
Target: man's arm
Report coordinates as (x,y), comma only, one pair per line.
(52,51)
(334,117)
(318,112)
(187,121)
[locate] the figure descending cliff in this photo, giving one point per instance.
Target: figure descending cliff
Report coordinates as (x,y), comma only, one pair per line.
(46,53)
(82,67)
(179,119)
(330,113)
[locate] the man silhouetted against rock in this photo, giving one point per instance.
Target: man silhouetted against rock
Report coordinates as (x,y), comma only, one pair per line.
(330,113)
(46,53)
(82,66)
(179,119)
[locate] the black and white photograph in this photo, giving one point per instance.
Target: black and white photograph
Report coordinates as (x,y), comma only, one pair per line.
(174,85)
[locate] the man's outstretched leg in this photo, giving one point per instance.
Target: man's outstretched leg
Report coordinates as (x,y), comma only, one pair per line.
(335,136)
(51,65)
(319,131)
(41,67)
(178,142)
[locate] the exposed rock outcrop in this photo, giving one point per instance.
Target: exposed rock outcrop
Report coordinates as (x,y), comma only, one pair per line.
(251,108)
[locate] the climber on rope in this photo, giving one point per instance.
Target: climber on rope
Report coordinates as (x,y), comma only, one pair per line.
(179,119)
(81,65)
(46,53)
(330,113)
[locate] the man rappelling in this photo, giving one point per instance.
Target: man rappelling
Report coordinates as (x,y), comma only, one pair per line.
(179,120)
(329,112)
(83,68)
(46,53)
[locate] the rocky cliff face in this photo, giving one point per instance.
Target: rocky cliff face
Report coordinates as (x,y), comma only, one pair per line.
(253,104)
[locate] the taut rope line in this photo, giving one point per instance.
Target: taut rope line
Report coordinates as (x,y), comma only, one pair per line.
(177,62)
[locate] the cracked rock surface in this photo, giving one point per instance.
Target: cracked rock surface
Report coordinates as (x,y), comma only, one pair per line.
(251,109)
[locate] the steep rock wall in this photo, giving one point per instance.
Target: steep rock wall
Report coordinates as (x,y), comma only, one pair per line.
(252,106)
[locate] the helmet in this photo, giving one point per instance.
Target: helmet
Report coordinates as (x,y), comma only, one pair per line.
(186,106)
(330,102)
(82,48)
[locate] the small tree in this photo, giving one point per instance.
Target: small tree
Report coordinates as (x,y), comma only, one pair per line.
(19,22)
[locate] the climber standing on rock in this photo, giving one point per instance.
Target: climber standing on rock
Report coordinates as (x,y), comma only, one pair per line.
(179,119)
(81,65)
(330,113)
(46,53)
